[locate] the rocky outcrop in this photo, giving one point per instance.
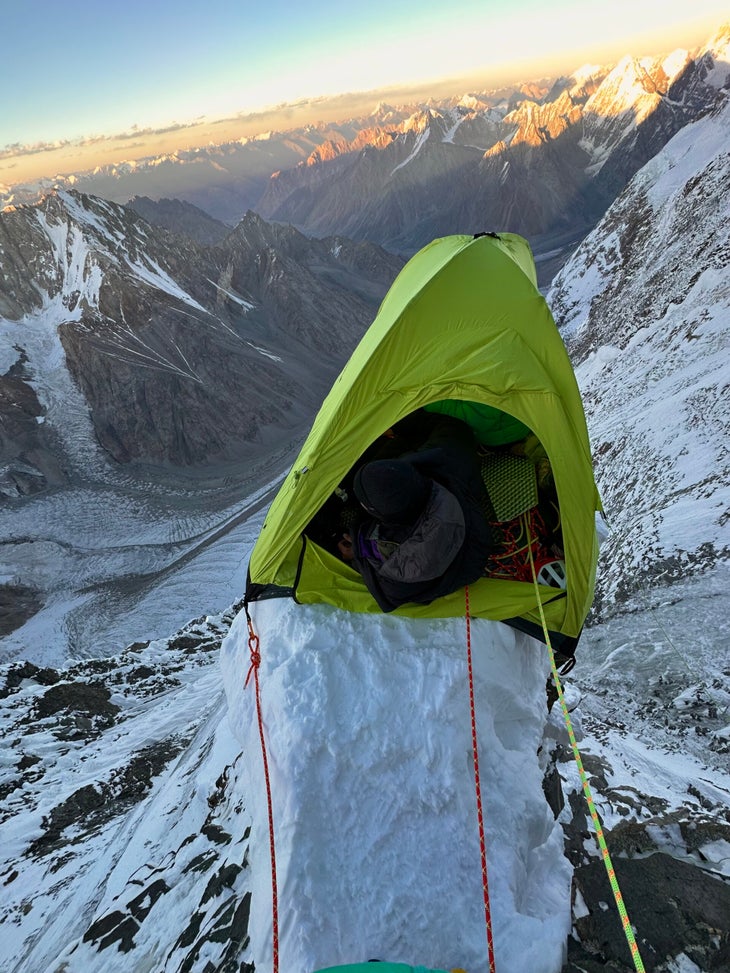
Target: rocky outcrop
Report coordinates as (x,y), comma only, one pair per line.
(654,745)
(182,353)
(678,905)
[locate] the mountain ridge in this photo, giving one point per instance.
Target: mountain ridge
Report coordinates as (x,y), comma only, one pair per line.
(644,307)
(548,167)
(227,179)
(111,298)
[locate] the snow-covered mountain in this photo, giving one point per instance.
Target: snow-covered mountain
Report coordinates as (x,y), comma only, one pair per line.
(645,309)
(133,823)
(182,353)
(398,188)
(544,159)
(119,806)
(149,386)
(546,169)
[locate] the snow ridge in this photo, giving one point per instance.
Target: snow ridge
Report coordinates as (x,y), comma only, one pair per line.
(374,793)
(645,305)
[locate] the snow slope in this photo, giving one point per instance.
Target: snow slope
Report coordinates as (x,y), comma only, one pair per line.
(122,848)
(376,832)
(644,305)
(133,824)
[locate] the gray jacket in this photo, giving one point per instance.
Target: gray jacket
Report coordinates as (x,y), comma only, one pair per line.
(431,546)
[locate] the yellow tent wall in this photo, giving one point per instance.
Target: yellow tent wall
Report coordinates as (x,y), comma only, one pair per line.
(463,320)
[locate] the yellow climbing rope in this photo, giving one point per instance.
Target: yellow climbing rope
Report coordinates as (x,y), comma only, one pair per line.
(626,923)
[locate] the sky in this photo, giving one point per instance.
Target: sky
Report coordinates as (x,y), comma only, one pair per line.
(89,70)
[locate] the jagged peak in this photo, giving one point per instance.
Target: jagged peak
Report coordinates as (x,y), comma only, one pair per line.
(473,102)
(579,83)
(252,218)
(419,121)
(674,63)
(634,82)
(715,55)
(588,73)
(259,234)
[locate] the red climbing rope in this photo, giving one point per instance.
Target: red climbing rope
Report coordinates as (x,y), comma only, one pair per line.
(253,645)
(480,811)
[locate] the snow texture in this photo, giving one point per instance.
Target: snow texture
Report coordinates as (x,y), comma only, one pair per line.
(644,306)
(369,744)
(122,820)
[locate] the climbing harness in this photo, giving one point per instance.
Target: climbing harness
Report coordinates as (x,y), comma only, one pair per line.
(477,785)
(253,646)
(625,922)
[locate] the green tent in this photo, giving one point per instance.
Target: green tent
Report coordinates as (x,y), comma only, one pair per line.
(463,321)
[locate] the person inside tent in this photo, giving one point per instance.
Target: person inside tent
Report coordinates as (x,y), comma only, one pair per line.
(425,533)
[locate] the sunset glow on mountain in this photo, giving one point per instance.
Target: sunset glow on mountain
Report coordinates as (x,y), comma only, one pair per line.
(143,83)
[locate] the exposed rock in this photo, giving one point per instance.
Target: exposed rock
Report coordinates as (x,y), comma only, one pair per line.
(28,449)
(181,218)
(183,353)
(19,671)
(18,603)
(676,903)
(91,699)
(675,908)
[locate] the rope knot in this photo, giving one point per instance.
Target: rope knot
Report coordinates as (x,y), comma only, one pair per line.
(253,648)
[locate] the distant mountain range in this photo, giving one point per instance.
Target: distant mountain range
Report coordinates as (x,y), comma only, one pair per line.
(547,169)
(544,160)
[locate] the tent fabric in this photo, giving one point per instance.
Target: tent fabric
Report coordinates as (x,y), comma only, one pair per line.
(464,320)
(491,426)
